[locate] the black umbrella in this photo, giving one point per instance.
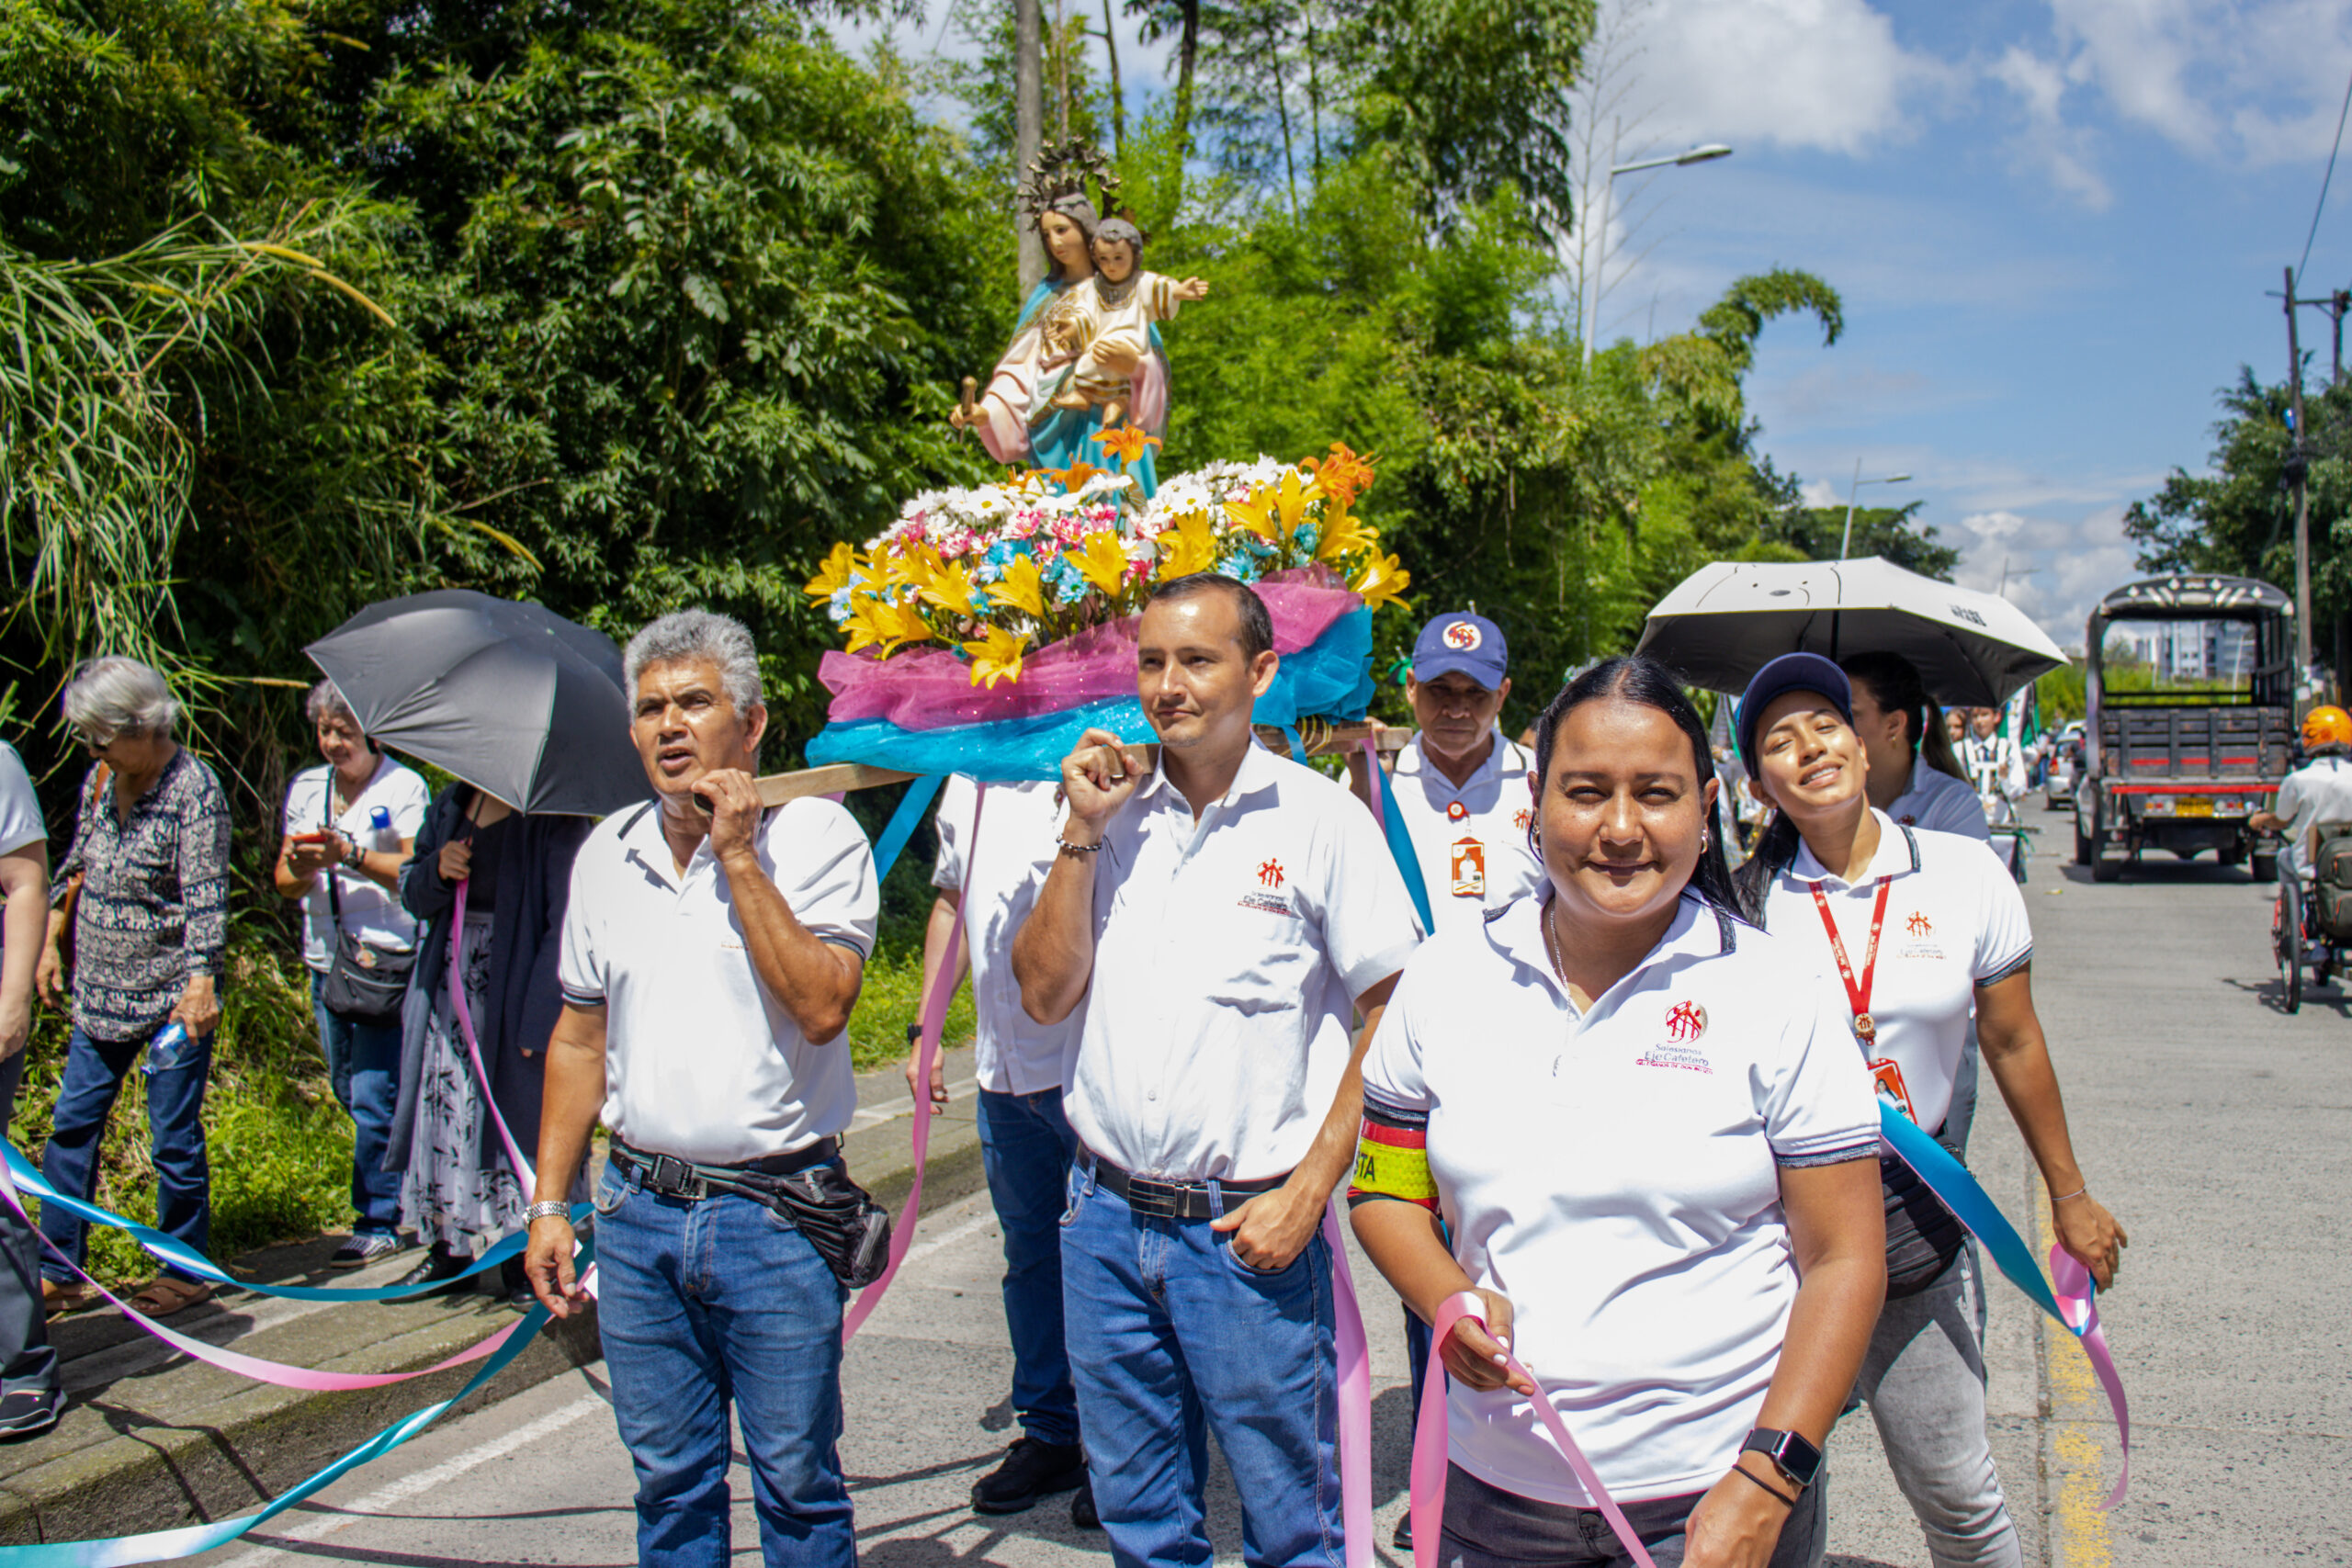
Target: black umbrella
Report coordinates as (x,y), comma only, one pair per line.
(511,697)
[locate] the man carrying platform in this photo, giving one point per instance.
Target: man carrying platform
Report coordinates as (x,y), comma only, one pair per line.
(1212,922)
(712,951)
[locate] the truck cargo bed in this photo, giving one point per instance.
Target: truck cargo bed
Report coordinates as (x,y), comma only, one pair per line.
(2234,741)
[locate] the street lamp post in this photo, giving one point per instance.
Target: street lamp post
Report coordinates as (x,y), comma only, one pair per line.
(1847,539)
(1591,280)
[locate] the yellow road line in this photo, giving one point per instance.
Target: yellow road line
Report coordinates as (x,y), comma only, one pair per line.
(2077,1411)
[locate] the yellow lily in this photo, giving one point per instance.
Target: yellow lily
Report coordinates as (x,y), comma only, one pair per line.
(1101,561)
(885,623)
(841,568)
(996,657)
(1188,546)
(1342,534)
(1274,512)
(948,584)
(1125,443)
(1020,588)
(1382,581)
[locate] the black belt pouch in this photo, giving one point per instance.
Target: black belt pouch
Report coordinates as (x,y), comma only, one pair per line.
(841,1219)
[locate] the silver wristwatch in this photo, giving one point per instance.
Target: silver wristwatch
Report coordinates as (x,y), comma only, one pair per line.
(553,1209)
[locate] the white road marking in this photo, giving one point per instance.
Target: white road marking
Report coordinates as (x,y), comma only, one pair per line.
(948,1237)
(892,1110)
(408,1486)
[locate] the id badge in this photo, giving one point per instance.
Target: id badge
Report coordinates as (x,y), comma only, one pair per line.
(1886,1076)
(1469,868)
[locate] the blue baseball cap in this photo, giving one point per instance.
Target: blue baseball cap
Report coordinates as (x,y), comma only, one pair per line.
(1462,643)
(1790,673)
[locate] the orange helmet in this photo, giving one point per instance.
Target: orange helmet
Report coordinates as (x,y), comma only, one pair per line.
(2326,726)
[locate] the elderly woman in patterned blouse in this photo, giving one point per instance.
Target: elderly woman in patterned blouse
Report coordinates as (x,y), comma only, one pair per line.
(151,857)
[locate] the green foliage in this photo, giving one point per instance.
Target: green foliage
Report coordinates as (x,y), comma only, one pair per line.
(2240,518)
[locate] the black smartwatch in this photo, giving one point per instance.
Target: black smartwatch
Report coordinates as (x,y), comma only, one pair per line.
(1794,1458)
(915,1034)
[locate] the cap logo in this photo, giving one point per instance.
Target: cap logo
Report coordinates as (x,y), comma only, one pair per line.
(1462,637)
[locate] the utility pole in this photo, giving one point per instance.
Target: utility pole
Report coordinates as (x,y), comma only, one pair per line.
(1028,128)
(2298,469)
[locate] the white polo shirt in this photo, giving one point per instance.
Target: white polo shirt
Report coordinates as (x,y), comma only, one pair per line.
(1616,1174)
(998,878)
(2319,790)
(700,1062)
(371,911)
(1955,921)
(1935,800)
(1471,843)
(20,820)
(1992,763)
(1227,958)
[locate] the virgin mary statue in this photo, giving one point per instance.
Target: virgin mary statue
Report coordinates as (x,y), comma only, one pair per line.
(1032,412)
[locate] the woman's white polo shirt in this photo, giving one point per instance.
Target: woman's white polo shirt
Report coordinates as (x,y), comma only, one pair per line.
(700,1062)
(1955,921)
(1616,1175)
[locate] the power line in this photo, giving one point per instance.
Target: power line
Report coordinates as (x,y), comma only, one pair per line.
(2322,205)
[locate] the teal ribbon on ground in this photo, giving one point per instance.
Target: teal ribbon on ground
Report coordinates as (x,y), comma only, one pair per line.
(1400,845)
(159,1546)
(172,1250)
(903,822)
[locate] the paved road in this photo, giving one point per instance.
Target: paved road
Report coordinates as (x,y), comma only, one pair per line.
(2205,1116)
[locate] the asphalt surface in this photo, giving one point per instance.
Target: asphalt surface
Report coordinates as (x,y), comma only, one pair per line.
(2204,1116)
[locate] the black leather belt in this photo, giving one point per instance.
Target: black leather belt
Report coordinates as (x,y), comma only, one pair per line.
(675,1177)
(1157,1200)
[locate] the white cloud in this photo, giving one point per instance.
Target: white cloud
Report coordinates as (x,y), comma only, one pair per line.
(2224,82)
(1824,74)
(2051,564)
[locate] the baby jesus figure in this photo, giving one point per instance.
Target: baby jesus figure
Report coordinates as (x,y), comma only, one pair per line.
(1126,302)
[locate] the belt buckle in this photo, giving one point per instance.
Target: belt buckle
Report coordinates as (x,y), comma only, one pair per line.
(1152,1200)
(673,1178)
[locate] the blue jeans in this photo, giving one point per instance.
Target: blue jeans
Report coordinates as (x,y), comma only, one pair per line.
(1171,1338)
(93,1074)
(1026,1147)
(363,1064)
(707,1305)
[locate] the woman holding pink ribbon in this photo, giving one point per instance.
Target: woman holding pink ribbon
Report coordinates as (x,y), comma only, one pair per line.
(1912,931)
(458,1189)
(1651,1146)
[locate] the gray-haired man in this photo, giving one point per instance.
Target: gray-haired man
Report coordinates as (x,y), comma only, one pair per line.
(711,953)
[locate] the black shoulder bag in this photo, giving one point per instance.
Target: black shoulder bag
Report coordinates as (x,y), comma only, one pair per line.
(363,984)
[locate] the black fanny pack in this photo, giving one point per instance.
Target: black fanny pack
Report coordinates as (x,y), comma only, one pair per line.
(811,1189)
(363,984)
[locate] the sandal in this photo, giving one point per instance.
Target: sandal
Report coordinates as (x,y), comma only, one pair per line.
(164,1295)
(56,1298)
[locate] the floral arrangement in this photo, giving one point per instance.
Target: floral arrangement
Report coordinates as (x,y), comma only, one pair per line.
(995,571)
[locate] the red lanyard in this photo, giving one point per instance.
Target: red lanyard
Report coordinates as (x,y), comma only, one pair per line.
(1865,1027)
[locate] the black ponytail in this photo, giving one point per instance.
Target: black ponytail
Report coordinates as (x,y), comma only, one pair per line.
(1631,678)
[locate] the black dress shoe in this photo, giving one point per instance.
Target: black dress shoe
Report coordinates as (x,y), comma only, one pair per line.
(440,1265)
(29,1413)
(1081,1507)
(1403,1539)
(515,1285)
(1031,1469)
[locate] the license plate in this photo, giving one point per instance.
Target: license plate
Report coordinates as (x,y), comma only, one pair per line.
(2193,805)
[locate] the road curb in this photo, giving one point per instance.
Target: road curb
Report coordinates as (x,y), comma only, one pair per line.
(152,1440)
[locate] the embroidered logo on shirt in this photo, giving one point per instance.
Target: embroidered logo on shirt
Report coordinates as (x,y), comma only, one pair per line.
(1685,1021)
(1265,903)
(1681,1057)
(1920,925)
(1270,874)
(1462,637)
(1524,819)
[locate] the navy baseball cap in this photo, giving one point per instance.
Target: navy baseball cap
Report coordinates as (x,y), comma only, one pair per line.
(1462,643)
(1790,673)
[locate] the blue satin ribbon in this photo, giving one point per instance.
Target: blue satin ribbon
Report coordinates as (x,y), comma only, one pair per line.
(172,1250)
(1949,1180)
(1400,846)
(903,822)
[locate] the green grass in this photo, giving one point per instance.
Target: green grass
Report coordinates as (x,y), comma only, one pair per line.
(892,1000)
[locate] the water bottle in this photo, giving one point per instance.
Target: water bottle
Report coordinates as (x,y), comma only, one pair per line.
(380,819)
(172,1036)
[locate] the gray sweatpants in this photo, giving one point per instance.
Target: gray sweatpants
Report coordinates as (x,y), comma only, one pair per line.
(28,1362)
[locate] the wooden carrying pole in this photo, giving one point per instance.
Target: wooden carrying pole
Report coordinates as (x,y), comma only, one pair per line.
(843,777)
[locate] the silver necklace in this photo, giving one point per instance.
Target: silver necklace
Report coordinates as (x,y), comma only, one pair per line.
(1115,294)
(1552,946)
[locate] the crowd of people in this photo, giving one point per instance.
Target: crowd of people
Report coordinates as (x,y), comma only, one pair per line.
(1625,1097)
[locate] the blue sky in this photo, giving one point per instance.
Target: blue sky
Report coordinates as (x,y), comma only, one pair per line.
(2053,222)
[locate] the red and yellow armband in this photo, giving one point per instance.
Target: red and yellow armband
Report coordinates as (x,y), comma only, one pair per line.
(1392,1162)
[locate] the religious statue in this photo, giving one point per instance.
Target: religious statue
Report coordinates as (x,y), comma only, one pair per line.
(1086,354)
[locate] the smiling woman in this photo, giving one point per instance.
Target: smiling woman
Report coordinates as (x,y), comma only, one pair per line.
(1719,1111)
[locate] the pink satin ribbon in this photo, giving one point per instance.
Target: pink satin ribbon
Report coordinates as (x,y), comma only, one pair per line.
(1355,1397)
(523,1172)
(1429,1443)
(935,1020)
(2071,1284)
(253,1367)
